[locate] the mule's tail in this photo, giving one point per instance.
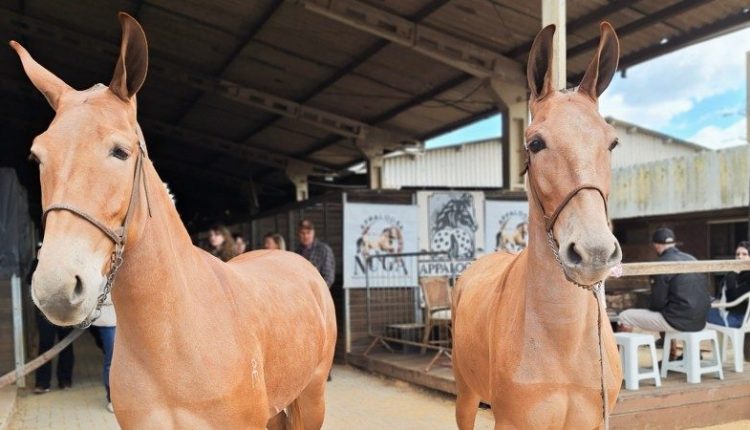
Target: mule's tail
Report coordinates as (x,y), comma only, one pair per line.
(294,416)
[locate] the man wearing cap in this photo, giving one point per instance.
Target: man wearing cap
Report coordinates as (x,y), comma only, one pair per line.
(679,302)
(315,251)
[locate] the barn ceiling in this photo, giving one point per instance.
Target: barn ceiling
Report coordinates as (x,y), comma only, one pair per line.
(238,91)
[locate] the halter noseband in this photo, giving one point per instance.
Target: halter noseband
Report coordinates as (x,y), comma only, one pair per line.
(118,235)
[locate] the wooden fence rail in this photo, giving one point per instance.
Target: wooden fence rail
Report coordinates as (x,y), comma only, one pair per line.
(704,266)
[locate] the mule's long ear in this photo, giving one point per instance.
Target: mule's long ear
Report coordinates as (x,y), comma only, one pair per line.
(539,67)
(45,81)
(604,64)
(131,68)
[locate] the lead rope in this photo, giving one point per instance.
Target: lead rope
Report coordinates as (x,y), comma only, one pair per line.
(605,403)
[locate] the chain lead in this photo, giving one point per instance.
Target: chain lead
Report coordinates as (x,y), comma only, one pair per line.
(116,261)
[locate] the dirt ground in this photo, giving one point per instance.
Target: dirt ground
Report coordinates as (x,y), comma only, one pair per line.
(356,400)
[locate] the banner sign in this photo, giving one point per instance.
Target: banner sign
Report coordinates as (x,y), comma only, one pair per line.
(507,225)
(379,230)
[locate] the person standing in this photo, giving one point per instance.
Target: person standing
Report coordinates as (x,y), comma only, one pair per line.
(274,241)
(106,325)
(221,242)
(49,334)
(240,246)
(315,251)
(679,302)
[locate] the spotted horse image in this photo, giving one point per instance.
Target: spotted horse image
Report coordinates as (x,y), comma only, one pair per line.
(454,227)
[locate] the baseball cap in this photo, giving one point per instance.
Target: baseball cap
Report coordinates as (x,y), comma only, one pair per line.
(663,236)
(305,224)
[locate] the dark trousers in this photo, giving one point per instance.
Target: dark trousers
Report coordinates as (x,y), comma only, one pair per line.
(49,334)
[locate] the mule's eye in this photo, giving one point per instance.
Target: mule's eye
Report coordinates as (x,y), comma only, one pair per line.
(536,145)
(33,158)
(614,144)
(120,153)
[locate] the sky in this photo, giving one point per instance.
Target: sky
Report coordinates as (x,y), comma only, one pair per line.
(696,94)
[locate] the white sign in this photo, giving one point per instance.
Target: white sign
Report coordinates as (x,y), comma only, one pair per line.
(507,225)
(379,230)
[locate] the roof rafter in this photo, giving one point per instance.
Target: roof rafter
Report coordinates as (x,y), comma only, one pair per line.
(634,26)
(267,15)
(458,53)
(334,123)
(360,59)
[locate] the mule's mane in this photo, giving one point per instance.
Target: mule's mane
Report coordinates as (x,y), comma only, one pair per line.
(94,87)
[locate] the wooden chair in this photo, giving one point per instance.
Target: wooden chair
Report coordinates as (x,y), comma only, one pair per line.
(436,291)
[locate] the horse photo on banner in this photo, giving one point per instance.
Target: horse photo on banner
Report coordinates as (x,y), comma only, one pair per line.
(451,222)
(379,229)
(506,225)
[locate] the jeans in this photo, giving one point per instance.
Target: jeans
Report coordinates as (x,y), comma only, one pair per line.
(734,319)
(108,343)
(47,334)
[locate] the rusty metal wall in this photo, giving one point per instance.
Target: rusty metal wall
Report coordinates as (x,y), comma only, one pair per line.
(705,181)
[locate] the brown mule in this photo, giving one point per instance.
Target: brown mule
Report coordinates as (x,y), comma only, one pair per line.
(200,343)
(525,333)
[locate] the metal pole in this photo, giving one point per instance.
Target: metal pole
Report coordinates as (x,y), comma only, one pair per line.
(20,353)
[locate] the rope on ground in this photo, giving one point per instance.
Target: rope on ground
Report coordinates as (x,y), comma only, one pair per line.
(38,362)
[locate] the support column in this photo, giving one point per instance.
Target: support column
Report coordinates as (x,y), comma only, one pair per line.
(373,147)
(298,173)
(512,101)
(553,12)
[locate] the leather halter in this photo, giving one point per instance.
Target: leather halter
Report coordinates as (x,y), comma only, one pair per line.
(118,235)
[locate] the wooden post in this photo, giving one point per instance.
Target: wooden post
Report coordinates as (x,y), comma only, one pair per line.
(553,12)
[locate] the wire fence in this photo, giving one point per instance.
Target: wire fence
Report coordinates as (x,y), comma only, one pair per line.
(408,301)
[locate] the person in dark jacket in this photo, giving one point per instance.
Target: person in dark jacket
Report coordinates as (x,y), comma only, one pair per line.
(679,302)
(733,286)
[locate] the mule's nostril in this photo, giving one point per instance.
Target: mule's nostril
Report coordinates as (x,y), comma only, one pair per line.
(573,256)
(616,254)
(78,290)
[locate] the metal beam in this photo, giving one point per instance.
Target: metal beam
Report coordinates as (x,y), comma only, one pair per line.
(340,125)
(466,56)
(267,15)
(196,172)
(360,59)
(228,147)
(194,138)
(730,23)
(574,25)
(632,27)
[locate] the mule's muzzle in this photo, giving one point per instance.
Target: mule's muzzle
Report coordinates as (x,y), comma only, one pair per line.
(62,300)
(588,262)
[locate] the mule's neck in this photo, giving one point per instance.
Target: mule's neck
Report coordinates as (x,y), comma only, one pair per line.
(549,297)
(158,252)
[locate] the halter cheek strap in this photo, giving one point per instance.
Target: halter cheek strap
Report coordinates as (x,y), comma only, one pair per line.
(118,235)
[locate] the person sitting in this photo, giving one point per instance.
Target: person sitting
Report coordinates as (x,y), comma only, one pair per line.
(733,286)
(679,302)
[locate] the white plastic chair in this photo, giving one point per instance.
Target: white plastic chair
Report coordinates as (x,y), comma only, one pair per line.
(736,335)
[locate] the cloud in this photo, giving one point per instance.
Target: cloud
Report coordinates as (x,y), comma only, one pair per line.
(657,91)
(717,138)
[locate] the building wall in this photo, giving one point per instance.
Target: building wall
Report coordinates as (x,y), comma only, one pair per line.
(638,146)
(710,180)
(472,165)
